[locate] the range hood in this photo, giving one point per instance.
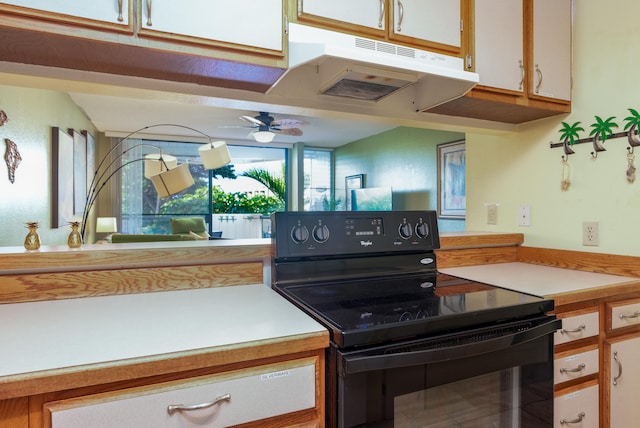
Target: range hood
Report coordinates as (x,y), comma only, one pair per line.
(353,67)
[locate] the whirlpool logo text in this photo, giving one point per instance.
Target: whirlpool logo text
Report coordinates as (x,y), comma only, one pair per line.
(366,243)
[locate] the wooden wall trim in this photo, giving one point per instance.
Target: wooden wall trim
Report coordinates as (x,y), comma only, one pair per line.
(455,240)
(15,260)
(612,264)
(475,256)
(71,285)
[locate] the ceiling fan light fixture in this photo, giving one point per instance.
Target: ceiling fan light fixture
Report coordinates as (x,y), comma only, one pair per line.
(263,136)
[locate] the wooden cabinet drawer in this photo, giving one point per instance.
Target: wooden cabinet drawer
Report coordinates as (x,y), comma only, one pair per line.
(245,395)
(577,325)
(577,408)
(623,314)
(575,364)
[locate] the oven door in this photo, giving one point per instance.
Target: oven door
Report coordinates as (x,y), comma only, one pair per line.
(491,377)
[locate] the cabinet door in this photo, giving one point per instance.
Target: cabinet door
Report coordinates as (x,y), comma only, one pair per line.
(499,56)
(434,21)
(622,372)
(551,65)
(366,13)
(106,11)
(234,22)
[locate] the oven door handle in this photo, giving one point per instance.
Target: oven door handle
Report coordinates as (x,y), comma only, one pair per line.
(363,362)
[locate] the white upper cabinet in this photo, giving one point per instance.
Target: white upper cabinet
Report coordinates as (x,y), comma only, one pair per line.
(550,67)
(499,56)
(107,11)
(242,22)
(366,13)
(437,21)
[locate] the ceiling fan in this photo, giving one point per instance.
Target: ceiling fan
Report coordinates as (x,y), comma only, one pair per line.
(266,127)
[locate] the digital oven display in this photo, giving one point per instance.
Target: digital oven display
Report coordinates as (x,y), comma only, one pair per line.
(364,227)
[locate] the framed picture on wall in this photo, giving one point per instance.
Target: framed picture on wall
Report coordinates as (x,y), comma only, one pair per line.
(352,182)
(79,170)
(452,191)
(61,178)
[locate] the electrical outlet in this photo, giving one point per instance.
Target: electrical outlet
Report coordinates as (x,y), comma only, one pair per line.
(590,233)
(492,214)
(524,215)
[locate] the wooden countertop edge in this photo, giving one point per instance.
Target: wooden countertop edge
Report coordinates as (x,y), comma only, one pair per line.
(595,293)
(26,384)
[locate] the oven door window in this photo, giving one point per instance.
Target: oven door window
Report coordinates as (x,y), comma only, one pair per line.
(506,388)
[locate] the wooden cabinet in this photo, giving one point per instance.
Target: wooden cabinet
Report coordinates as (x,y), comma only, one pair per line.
(578,324)
(499,23)
(621,367)
(431,24)
(197,42)
(366,14)
(550,63)
(98,13)
(435,22)
(621,380)
(215,22)
(271,394)
(529,76)
(577,368)
(577,407)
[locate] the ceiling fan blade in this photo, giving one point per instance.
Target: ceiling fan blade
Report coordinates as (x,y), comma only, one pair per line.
(253,120)
(294,132)
(288,123)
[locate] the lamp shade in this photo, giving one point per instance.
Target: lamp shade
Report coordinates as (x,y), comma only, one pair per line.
(214,155)
(173,181)
(106,225)
(263,136)
(155,163)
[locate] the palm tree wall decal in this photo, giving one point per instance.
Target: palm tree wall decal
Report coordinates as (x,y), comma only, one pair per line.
(633,122)
(569,136)
(602,129)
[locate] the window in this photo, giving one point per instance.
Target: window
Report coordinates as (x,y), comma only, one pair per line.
(318,178)
(231,203)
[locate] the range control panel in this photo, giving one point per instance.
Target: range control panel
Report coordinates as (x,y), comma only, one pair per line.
(329,233)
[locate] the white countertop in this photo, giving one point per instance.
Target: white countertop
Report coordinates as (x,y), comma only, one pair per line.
(63,333)
(533,279)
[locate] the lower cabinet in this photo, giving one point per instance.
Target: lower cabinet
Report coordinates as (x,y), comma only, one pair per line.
(622,377)
(268,393)
(578,407)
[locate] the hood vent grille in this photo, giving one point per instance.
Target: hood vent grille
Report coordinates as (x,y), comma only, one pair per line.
(386,48)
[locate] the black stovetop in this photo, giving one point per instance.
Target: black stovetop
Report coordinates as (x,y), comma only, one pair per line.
(360,313)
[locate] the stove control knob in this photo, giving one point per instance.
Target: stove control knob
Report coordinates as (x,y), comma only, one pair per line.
(405,230)
(422,230)
(299,234)
(321,233)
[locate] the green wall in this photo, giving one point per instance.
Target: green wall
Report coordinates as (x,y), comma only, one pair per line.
(403,158)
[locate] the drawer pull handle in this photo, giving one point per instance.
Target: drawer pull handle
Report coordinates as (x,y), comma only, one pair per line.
(120,17)
(615,379)
(580,328)
(636,314)
(573,421)
(576,370)
(172,408)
